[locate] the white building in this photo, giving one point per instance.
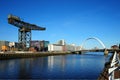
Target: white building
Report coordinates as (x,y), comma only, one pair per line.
(62,46)
(55,47)
(71,47)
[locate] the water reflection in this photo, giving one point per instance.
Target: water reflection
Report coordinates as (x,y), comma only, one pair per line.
(50,62)
(54,67)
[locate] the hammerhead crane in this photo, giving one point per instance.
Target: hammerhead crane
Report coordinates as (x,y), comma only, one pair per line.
(24,31)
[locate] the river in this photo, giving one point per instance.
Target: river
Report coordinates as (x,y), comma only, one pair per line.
(73,66)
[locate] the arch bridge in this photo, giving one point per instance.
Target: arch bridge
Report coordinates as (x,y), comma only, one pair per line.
(93,50)
(94,38)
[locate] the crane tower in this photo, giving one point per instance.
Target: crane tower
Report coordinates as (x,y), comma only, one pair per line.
(24,31)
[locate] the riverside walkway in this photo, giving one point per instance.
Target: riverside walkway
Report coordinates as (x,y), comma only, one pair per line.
(111,70)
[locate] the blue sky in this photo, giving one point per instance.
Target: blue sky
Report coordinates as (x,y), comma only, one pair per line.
(72,20)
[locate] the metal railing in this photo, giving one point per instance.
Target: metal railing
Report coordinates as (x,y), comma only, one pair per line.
(114,65)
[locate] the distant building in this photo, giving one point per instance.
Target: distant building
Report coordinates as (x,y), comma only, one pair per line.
(62,46)
(55,47)
(4,43)
(35,44)
(44,45)
(114,47)
(40,45)
(14,46)
(71,47)
(61,42)
(78,48)
(59,46)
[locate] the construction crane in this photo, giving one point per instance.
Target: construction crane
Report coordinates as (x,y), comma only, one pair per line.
(24,31)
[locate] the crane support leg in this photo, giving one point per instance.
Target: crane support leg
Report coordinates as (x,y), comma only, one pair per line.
(24,38)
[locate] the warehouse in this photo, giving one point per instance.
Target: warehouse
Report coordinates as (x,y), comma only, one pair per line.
(55,47)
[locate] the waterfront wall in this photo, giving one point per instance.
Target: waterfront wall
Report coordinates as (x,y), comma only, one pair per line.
(29,55)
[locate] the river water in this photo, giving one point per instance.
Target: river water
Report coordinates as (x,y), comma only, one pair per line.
(73,66)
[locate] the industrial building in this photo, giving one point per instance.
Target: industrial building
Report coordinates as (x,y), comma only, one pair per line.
(4,45)
(55,47)
(14,46)
(9,46)
(59,46)
(62,46)
(39,45)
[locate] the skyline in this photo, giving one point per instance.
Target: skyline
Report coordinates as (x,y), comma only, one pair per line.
(71,20)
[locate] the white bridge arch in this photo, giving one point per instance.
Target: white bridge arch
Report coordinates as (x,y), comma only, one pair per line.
(94,39)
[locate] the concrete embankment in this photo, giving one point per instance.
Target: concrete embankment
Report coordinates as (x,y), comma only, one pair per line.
(12,55)
(104,74)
